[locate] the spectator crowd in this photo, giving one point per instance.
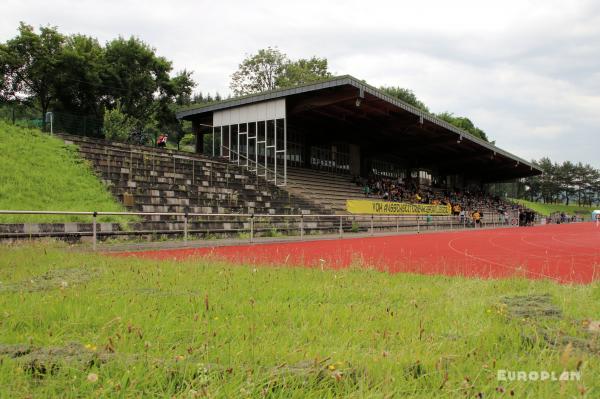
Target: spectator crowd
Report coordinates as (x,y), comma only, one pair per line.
(467,206)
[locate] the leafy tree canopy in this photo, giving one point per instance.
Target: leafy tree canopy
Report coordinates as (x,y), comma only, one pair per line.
(562,182)
(77,75)
(304,71)
(30,66)
(464,124)
(80,83)
(406,95)
(270,69)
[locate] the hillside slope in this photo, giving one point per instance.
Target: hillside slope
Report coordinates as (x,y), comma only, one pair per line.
(40,172)
(548,209)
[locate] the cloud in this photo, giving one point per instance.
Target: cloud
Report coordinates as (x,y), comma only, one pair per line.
(525,72)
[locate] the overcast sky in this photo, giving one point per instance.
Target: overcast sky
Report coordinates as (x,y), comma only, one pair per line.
(526,72)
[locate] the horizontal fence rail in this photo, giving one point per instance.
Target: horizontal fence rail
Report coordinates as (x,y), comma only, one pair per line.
(252,224)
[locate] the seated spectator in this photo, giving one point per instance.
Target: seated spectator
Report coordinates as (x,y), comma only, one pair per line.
(366,190)
(476,218)
(456,209)
(162,141)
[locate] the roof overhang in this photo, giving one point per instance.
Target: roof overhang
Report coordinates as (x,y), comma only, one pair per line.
(347,89)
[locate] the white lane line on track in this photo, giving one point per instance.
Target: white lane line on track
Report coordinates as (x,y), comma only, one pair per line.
(520,252)
(575,245)
(576,259)
(568,254)
(547,256)
(496,263)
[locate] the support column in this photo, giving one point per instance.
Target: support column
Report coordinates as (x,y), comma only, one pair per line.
(199,136)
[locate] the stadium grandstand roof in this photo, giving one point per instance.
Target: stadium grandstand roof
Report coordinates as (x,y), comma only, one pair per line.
(346,99)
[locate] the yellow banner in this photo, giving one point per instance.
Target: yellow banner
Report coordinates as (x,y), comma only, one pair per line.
(395,208)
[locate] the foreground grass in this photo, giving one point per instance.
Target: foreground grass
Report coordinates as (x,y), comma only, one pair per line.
(40,172)
(205,328)
(548,209)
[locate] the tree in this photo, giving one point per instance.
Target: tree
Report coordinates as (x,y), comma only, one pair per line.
(259,72)
(76,74)
(270,69)
(139,85)
(463,123)
(406,95)
(181,86)
(80,86)
(303,71)
(560,182)
(7,95)
(564,177)
(532,187)
(30,66)
(135,77)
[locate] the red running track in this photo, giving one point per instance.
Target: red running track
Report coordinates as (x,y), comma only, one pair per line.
(568,253)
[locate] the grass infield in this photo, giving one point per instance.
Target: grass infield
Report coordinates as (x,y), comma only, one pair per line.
(75,324)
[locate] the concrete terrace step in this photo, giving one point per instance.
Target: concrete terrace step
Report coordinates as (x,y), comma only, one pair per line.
(178,166)
(135,182)
(201,202)
(105,144)
(319,180)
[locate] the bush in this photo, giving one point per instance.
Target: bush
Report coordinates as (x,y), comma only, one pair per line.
(118,126)
(188,139)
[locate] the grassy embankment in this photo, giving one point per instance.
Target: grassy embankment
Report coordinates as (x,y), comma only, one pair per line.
(547,209)
(40,172)
(98,326)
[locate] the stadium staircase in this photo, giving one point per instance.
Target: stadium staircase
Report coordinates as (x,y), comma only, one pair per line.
(328,190)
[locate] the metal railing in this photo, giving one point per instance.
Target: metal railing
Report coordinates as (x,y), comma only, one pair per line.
(304,223)
(255,169)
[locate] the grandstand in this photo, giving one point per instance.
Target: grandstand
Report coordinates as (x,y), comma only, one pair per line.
(300,151)
(323,141)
